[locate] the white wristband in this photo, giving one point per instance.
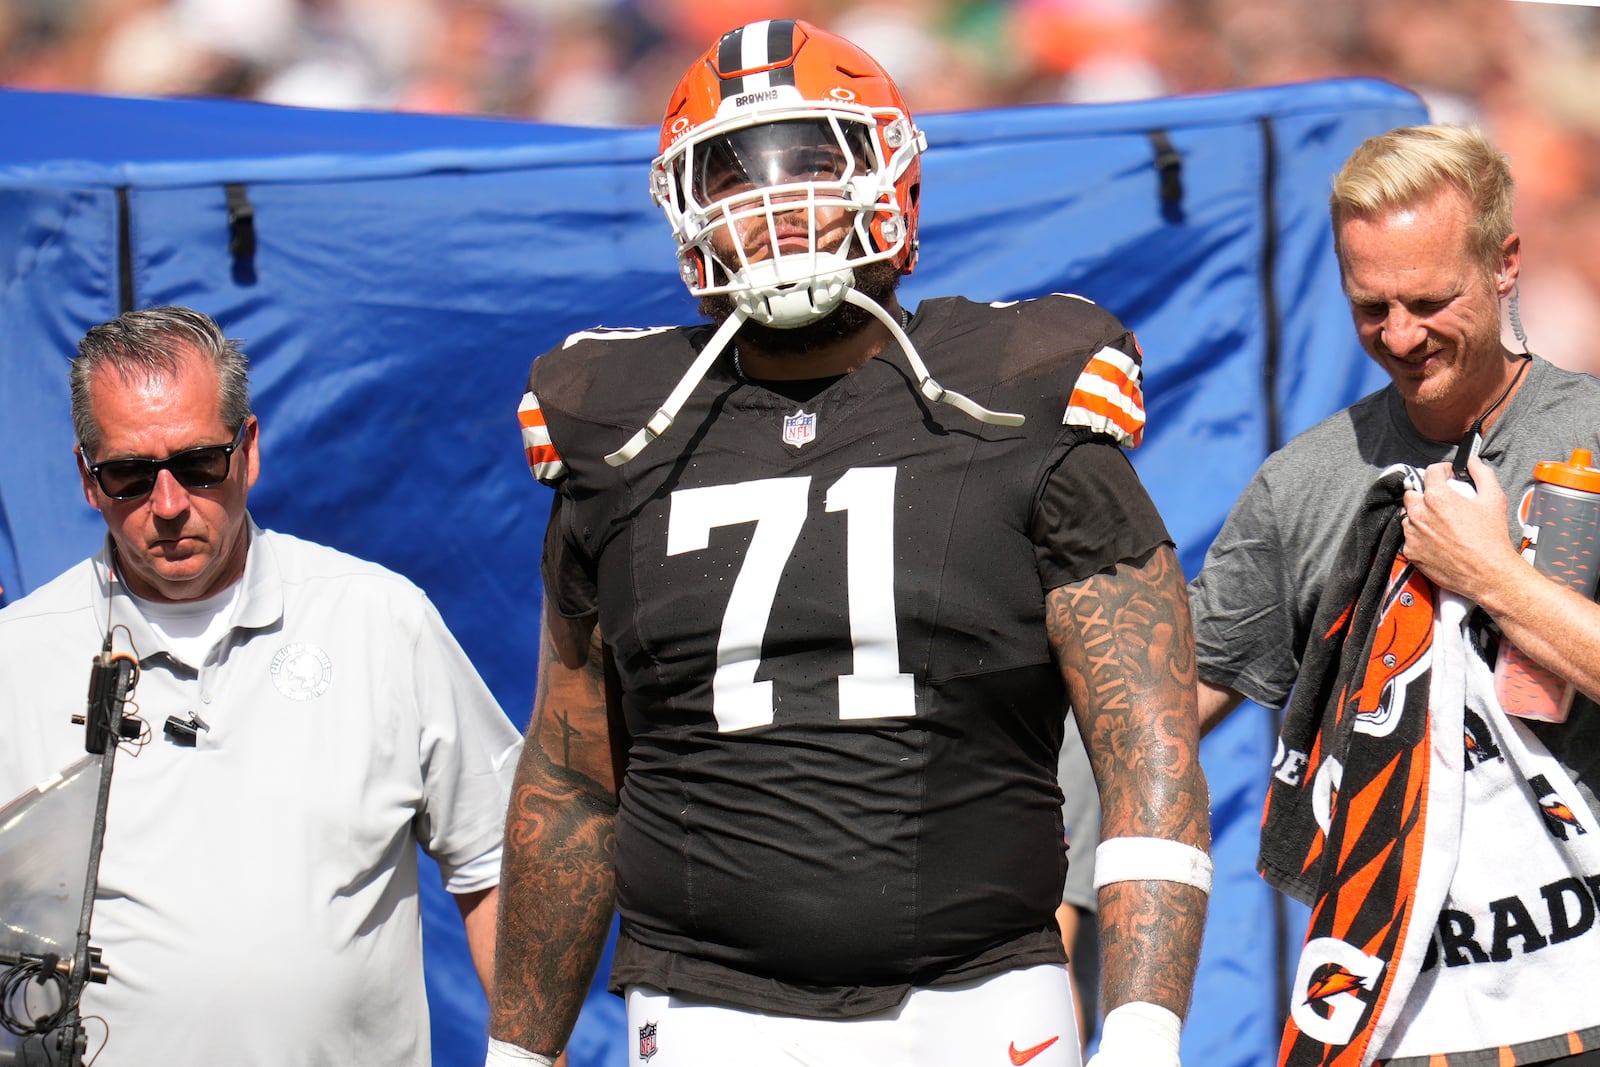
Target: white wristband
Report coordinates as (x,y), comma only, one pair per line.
(1138,1034)
(1143,859)
(505,1054)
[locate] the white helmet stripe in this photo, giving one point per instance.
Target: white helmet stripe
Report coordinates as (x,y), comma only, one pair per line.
(753,51)
(758,47)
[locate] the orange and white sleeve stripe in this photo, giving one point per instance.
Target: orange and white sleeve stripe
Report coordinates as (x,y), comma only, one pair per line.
(1108,399)
(543,458)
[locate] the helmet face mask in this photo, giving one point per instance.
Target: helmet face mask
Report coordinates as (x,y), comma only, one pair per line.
(782,175)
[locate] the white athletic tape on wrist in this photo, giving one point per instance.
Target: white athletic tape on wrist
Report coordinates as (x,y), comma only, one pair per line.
(505,1054)
(1138,1034)
(1143,859)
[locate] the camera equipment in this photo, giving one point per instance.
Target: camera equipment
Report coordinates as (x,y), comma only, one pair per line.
(183,732)
(40,991)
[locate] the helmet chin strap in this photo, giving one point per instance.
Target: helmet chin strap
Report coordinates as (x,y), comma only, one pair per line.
(771,301)
(925,383)
(662,420)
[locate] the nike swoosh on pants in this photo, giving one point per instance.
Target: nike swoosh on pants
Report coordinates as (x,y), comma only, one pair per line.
(1019,1056)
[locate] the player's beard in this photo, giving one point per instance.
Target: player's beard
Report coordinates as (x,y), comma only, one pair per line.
(876,280)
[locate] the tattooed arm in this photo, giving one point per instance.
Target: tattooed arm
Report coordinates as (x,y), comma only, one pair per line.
(556,879)
(1125,648)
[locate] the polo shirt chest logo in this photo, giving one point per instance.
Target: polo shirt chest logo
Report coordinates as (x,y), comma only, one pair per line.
(301,671)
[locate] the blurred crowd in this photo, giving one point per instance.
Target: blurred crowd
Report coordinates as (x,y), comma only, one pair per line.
(1528,72)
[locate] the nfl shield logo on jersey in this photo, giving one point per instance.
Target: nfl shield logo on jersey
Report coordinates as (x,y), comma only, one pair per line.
(647,1041)
(799,428)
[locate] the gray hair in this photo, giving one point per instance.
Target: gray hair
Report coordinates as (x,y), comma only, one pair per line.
(152,343)
(1412,163)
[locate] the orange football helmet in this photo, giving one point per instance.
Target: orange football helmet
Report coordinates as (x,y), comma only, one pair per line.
(788,159)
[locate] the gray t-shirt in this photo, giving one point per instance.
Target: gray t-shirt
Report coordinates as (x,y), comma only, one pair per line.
(1080,817)
(1256,595)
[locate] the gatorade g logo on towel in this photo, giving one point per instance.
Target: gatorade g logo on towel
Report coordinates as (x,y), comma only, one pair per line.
(1333,990)
(1559,818)
(1479,741)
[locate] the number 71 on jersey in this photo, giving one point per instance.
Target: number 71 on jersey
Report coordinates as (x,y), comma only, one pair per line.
(875,687)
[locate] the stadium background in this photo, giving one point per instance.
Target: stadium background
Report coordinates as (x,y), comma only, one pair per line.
(408,264)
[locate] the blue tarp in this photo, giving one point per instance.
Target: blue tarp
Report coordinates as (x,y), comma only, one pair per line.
(406,268)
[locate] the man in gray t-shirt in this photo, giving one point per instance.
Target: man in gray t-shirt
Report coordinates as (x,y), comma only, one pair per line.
(1254,599)
(1427,253)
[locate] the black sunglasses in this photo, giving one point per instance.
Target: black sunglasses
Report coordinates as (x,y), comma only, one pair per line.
(194,468)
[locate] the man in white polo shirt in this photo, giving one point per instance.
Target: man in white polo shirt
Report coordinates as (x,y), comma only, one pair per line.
(306,721)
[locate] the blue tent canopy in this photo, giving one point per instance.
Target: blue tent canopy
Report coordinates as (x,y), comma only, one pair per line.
(392,276)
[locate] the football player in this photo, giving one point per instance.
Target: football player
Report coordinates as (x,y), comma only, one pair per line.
(811,621)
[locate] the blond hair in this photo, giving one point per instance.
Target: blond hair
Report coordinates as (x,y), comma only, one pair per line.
(1413,163)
